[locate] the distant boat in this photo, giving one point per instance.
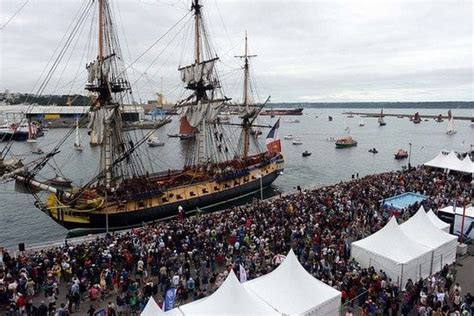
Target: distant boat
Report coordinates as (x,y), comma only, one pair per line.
(272,112)
(77,141)
(154,142)
(350,115)
(400,116)
(329,118)
(292,121)
(373,151)
(59,181)
(416,118)
(331,139)
(361,122)
(31,133)
(450,129)
(289,137)
(297,142)
(37,151)
(306,153)
(381,120)
(401,154)
(439,118)
(345,142)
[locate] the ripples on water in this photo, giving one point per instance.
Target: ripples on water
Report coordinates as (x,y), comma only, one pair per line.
(20,221)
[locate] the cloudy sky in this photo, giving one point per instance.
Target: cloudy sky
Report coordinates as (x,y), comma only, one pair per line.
(323,51)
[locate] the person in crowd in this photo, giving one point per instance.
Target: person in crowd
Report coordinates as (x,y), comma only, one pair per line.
(195,254)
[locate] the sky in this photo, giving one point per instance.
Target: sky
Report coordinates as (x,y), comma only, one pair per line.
(308,51)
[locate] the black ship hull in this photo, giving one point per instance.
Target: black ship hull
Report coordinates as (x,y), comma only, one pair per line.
(18,136)
(131,219)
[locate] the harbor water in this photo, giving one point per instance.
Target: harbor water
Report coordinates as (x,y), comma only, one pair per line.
(20,221)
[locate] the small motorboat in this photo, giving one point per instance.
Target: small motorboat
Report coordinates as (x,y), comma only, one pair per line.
(439,118)
(59,181)
(289,137)
(154,142)
(331,139)
(37,151)
(297,142)
(361,122)
(401,154)
(306,153)
(329,118)
(373,151)
(399,116)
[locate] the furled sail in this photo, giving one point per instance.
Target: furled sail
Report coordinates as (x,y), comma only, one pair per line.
(198,72)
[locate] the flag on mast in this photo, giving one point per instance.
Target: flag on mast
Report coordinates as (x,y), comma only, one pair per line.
(273,140)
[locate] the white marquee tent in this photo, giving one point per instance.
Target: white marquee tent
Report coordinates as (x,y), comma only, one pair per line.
(437,222)
(466,165)
(231,298)
(451,162)
(291,290)
(151,309)
(392,251)
(421,230)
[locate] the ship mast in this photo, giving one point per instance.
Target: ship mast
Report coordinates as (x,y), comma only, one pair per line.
(246,124)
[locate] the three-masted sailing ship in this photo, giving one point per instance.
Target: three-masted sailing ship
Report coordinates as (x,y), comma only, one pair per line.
(124,193)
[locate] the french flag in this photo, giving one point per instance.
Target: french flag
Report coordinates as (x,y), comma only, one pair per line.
(273,141)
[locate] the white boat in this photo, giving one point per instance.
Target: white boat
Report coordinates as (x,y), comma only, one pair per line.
(381,120)
(289,137)
(154,142)
(450,129)
(292,121)
(77,140)
(361,122)
(297,142)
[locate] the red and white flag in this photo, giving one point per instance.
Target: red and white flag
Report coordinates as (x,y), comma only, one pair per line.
(273,140)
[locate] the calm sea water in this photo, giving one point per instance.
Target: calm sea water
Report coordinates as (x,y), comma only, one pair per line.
(20,221)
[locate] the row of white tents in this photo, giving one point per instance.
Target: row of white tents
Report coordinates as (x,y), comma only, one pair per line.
(450,161)
(288,290)
(415,249)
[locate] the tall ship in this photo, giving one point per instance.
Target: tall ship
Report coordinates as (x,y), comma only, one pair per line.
(124,193)
(273,112)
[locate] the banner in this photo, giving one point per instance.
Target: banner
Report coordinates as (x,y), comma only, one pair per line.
(243,274)
(170,299)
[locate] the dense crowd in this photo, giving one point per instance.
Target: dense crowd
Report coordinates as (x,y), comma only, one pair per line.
(194,254)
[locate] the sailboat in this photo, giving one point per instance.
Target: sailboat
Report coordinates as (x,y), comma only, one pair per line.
(361,122)
(31,132)
(77,140)
(123,193)
(450,129)
(381,120)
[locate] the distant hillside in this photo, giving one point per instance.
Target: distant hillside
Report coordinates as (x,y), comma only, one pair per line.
(378,105)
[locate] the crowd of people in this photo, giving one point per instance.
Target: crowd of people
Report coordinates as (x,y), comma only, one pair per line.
(194,254)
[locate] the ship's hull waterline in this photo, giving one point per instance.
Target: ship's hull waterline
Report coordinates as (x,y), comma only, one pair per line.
(121,220)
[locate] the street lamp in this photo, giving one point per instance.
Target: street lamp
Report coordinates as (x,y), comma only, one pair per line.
(409,158)
(261,186)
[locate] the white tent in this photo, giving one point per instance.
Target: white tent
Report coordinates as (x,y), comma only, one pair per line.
(392,251)
(231,298)
(291,290)
(151,309)
(445,161)
(438,162)
(422,231)
(437,222)
(466,165)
